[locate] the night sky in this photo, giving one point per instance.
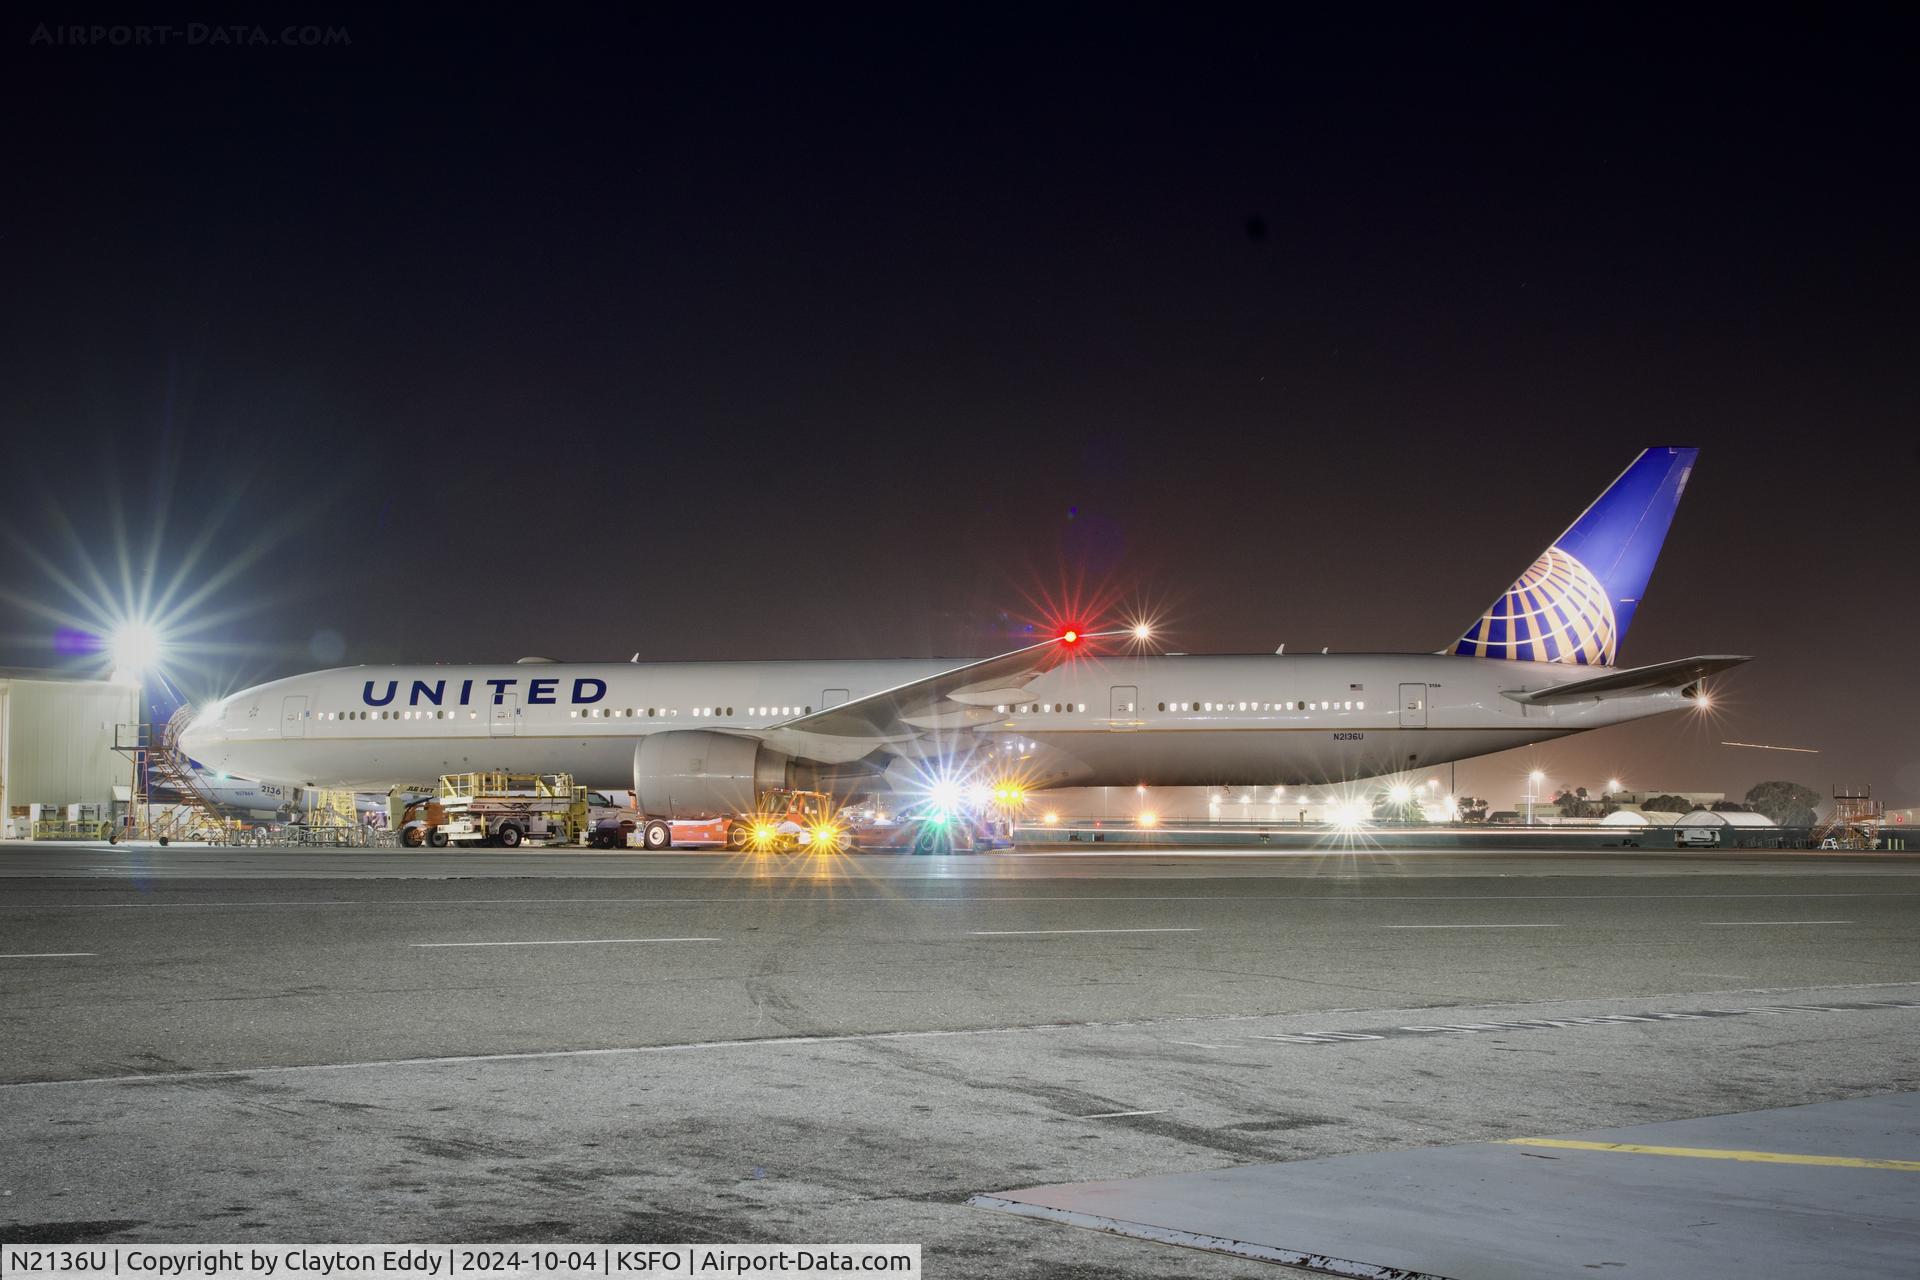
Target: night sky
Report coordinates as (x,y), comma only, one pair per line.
(869,332)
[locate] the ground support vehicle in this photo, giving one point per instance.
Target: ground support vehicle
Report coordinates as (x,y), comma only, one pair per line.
(612,819)
(511,809)
(782,821)
(918,833)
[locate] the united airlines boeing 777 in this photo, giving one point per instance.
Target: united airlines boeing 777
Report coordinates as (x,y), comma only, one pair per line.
(699,738)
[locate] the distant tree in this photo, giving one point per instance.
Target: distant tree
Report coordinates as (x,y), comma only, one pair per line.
(1667,804)
(1471,808)
(1788,803)
(1577,804)
(1728,806)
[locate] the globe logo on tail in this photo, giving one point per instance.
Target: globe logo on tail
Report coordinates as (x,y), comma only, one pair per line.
(1556,612)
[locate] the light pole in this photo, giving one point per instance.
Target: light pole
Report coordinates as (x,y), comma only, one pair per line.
(1534,780)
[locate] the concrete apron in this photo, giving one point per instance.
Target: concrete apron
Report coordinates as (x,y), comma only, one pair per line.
(1831,1189)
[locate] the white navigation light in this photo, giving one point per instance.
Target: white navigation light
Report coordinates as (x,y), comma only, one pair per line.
(1141,631)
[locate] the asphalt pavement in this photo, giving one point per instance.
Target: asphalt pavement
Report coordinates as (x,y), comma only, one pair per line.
(220,1044)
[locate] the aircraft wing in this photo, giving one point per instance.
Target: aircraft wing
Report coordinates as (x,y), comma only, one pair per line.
(1677,674)
(960,699)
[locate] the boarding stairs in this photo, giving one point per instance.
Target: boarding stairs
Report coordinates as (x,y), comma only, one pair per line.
(169,801)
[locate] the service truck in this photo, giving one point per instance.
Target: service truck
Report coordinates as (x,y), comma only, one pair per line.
(782,821)
(506,809)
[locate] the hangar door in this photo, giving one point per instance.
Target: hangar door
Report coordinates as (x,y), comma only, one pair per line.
(1413,706)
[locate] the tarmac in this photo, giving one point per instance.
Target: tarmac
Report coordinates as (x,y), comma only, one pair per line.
(232,1045)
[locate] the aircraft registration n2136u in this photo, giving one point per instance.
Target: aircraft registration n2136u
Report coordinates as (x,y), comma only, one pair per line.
(703,738)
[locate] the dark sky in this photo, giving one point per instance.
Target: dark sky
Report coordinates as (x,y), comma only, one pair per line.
(871,332)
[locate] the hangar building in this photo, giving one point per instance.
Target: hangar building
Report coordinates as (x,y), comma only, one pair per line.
(56,741)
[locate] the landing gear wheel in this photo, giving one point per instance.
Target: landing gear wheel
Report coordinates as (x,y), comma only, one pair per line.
(510,836)
(438,839)
(657,835)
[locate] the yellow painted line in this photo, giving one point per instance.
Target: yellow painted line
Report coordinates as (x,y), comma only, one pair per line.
(1717,1153)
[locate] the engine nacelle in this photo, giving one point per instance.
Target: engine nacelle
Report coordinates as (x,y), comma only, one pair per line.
(697,773)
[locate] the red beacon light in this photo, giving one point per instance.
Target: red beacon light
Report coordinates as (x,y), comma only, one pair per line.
(1070,637)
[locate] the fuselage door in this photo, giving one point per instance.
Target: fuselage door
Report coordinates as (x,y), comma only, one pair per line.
(1413,706)
(506,716)
(293,717)
(1125,707)
(832,697)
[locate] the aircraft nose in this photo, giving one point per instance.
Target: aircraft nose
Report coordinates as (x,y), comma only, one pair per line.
(199,735)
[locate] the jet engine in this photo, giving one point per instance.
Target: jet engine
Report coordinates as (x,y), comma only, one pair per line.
(697,773)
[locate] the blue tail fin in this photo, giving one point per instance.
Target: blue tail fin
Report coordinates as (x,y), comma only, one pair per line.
(1575,603)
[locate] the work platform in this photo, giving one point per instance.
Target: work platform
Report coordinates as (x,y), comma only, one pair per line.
(1830,1189)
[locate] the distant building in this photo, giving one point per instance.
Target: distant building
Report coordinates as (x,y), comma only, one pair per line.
(1716,818)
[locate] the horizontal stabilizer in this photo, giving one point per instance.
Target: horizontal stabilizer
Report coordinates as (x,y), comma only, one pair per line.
(1677,674)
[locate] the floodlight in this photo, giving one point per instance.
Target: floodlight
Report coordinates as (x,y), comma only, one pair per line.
(134,648)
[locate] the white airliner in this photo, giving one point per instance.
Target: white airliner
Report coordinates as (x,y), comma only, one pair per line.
(700,738)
